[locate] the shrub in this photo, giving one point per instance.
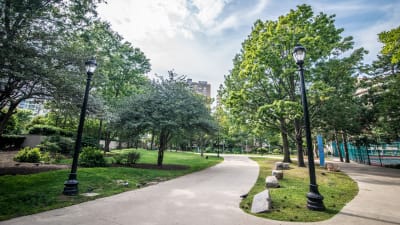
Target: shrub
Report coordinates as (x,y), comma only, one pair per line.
(91,157)
(209,149)
(262,150)
(120,159)
(133,157)
(49,130)
(9,142)
(28,155)
(276,151)
(65,144)
(45,157)
(48,146)
(90,141)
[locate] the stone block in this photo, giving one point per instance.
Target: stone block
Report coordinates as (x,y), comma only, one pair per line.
(261,202)
(330,166)
(286,166)
(271,182)
(278,166)
(278,174)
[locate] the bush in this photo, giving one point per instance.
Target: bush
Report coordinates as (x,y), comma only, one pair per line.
(89,141)
(49,130)
(65,144)
(45,157)
(120,159)
(10,142)
(262,150)
(48,146)
(28,155)
(133,157)
(276,151)
(91,157)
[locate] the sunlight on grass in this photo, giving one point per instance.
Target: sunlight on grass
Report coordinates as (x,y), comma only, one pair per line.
(27,194)
(289,201)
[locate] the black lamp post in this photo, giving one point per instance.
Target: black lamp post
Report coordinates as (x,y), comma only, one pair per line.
(71,185)
(314,198)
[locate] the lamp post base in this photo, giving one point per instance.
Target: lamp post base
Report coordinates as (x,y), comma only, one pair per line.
(315,199)
(71,187)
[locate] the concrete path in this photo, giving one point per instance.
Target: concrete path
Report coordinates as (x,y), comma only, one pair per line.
(212,197)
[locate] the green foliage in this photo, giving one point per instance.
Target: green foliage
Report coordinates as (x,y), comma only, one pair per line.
(89,141)
(91,157)
(261,150)
(28,155)
(289,200)
(41,192)
(41,69)
(276,151)
(49,130)
(169,108)
(48,146)
(57,145)
(133,157)
(261,93)
(11,142)
(391,41)
(17,122)
(45,157)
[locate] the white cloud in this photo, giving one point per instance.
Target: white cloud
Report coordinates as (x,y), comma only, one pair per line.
(199,38)
(208,11)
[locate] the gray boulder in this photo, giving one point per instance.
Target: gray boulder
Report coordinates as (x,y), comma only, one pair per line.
(278,174)
(271,182)
(261,202)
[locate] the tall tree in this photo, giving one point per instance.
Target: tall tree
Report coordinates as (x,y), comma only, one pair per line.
(167,108)
(391,41)
(262,86)
(31,33)
(381,91)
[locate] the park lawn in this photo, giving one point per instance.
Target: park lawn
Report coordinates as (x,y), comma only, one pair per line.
(289,201)
(27,194)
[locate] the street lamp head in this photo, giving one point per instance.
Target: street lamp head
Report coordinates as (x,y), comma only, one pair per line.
(90,66)
(299,53)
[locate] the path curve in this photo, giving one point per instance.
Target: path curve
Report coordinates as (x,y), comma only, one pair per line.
(212,197)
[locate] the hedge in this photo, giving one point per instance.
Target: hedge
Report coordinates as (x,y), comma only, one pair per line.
(49,130)
(11,142)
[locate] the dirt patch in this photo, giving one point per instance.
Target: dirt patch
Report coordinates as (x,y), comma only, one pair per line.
(29,169)
(10,167)
(153,166)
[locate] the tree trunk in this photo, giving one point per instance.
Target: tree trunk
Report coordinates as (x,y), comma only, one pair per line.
(315,149)
(285,141)
(5,117)
(337,146)
(107,141)
(99,132)
(299,143)
(152,140)
(163,145)
(346,149)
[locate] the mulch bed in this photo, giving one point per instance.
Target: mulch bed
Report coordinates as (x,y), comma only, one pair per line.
(29,169)
(154,166)
(34,168)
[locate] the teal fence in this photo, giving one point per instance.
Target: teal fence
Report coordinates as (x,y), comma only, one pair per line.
(379,154)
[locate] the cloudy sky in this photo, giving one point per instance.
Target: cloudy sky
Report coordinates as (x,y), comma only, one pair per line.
(199,38)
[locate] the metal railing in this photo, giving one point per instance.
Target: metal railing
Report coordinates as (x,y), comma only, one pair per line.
(382,154)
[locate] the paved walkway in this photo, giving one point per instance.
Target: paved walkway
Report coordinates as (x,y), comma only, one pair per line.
(212,197)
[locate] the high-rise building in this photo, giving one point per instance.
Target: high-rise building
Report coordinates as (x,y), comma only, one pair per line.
(201,87)
(35,105)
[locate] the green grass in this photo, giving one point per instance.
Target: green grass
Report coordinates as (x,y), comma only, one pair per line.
(289,201)
(27,194)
